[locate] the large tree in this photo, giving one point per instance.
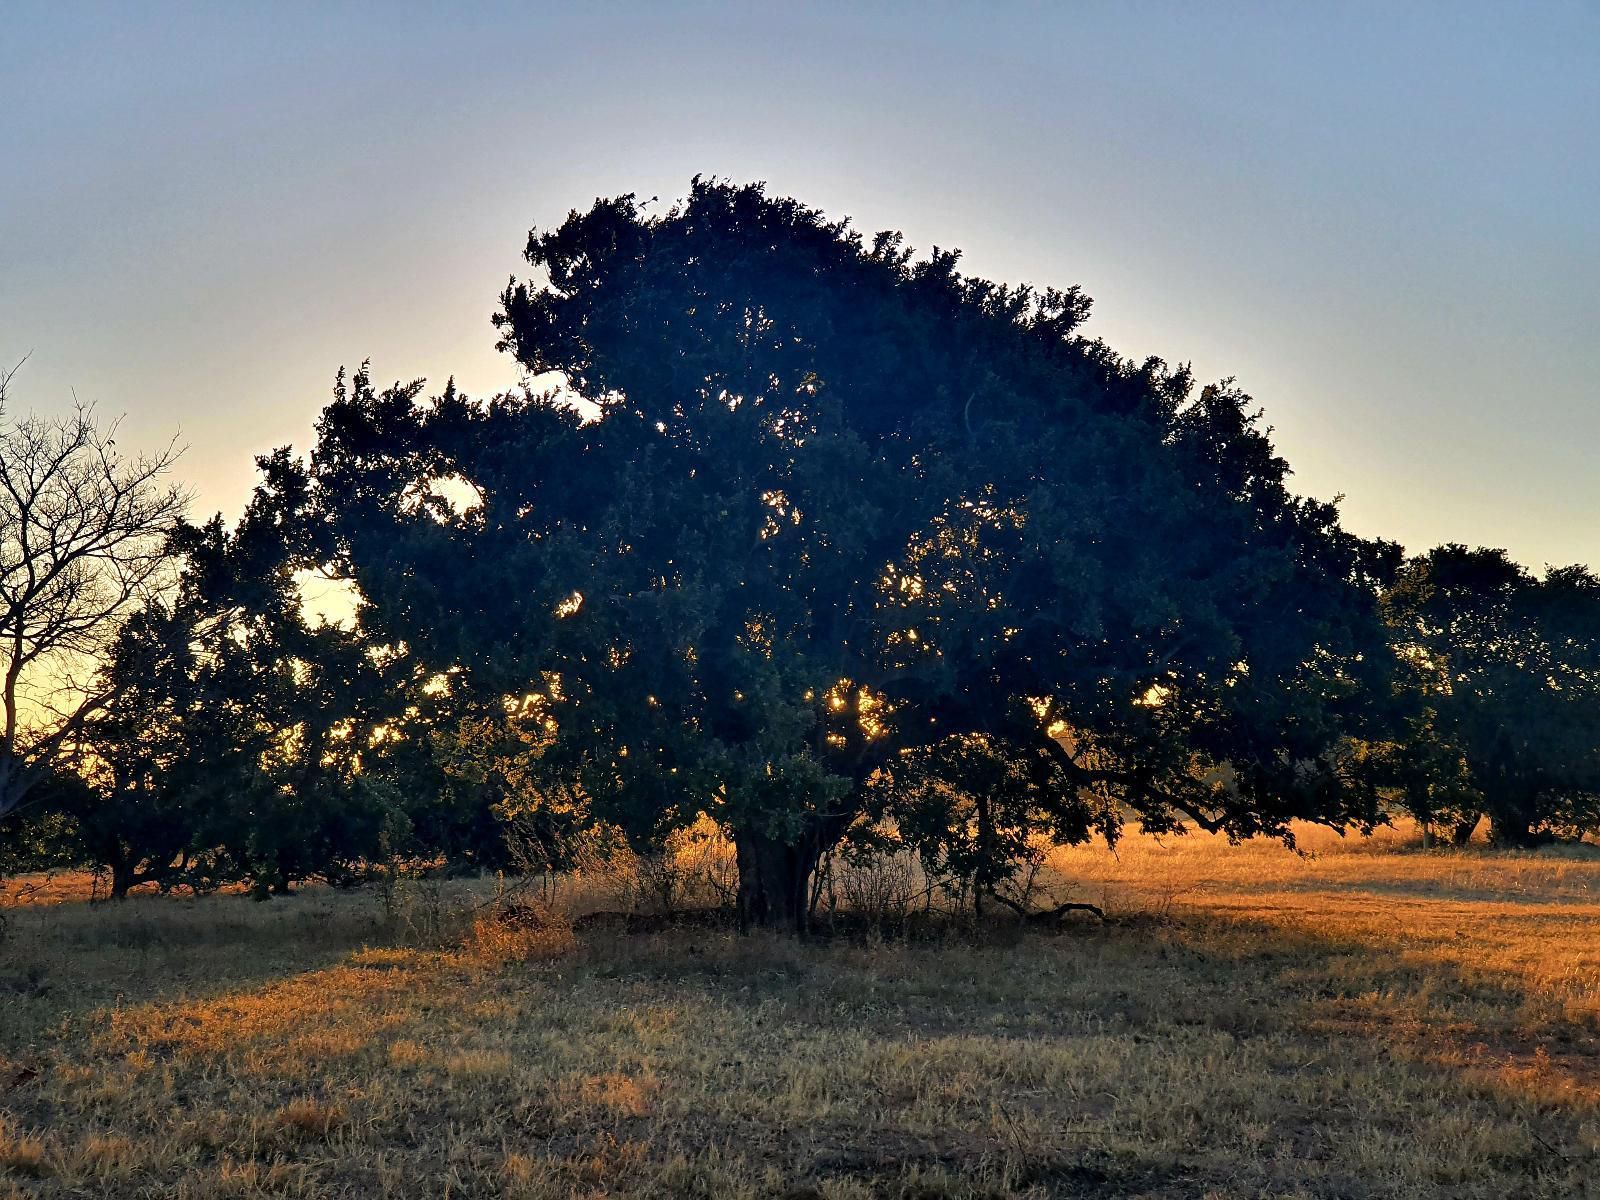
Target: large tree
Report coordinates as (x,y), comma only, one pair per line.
(83,542)
(834,520)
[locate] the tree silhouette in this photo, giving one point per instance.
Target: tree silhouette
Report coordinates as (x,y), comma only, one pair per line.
(1506,668)
(239,740)
(843,512)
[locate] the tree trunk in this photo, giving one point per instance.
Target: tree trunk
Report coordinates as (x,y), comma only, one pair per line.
(123,877)
(16,781)
(773,881)
(1513,831)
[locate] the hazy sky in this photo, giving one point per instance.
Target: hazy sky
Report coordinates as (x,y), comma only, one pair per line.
(1384,220)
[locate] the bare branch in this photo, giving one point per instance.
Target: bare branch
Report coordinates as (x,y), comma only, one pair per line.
(84,532)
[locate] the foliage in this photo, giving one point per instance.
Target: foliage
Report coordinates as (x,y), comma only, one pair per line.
(42,836)
(1506,670)
(167,753)
(240,742)
(838,517)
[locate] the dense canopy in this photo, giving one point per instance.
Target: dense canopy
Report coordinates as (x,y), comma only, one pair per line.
(813,523)
(1506,667)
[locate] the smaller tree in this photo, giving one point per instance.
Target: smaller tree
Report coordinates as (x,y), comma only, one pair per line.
(1506,670)
(303,713)
(238,740)
(171,749)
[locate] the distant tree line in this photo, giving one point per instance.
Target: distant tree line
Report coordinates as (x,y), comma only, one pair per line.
(830,543)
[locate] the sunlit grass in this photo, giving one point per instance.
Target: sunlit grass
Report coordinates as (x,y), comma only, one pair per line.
(1363,1020)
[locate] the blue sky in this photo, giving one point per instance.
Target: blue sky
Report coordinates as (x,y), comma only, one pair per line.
(1384,220)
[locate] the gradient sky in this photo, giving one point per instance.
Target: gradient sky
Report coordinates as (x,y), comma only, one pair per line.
(1384,220)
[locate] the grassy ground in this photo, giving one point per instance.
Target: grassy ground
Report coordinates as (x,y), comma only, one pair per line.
(1367,1021)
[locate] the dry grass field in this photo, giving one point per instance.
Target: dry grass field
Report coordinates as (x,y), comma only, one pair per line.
(1365,1020)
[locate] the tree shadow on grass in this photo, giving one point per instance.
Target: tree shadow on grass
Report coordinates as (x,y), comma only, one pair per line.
(930,1063)
(1232,972)
(1489,1025)
(65,961)
(1486,1086)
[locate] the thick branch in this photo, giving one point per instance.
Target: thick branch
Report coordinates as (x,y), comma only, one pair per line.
(1044,916)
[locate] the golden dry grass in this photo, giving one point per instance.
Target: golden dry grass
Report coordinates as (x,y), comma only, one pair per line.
(58,887)
(1363,1021)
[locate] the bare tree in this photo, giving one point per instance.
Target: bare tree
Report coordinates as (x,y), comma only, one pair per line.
(84,538)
